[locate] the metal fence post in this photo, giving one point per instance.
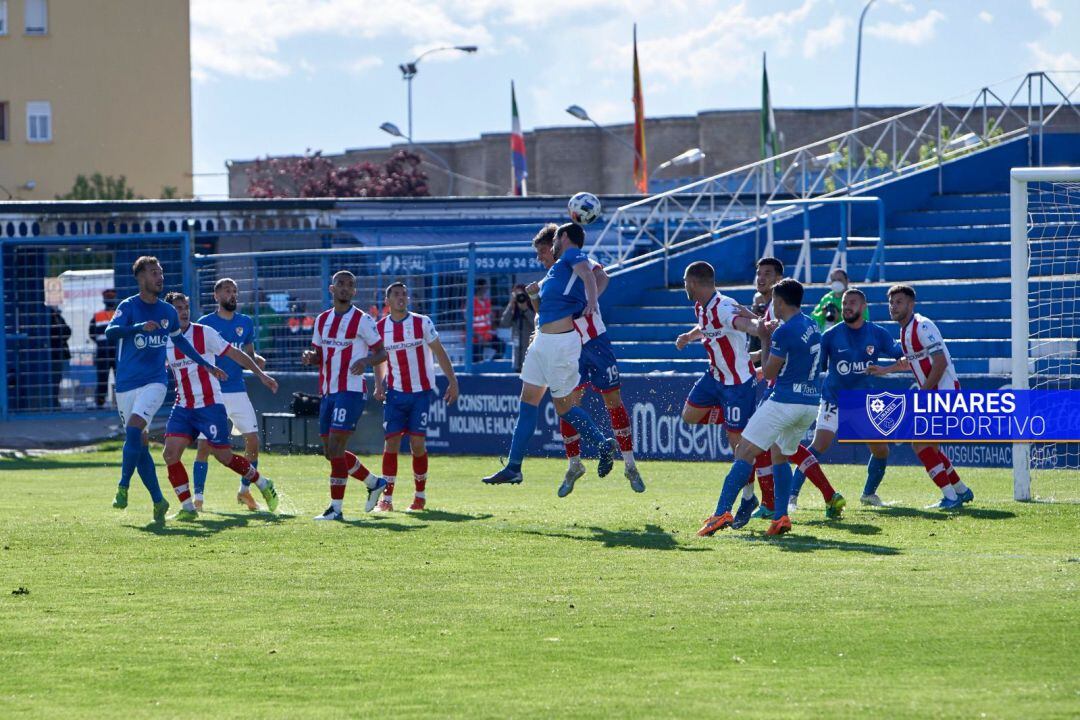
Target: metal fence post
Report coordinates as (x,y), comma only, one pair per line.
(3,339)
(187,260)
(470,296)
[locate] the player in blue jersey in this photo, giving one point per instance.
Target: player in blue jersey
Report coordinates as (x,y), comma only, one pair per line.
(781,421)
(567,292)
(239,331)
(847,350)
(141,328)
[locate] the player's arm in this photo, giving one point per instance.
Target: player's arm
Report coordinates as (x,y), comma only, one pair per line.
(249,348)
(120,326)
(380,381)
(376,350)
(247,362)
(447,368)
(938,365)
(773,366)
(312,356)
(584,271)
(901,365)
(688,337)
(533,291)
(602,279)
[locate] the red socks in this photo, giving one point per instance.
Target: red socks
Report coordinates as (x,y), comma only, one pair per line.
(353,467)
(949,469)
(571,439)
(934,462)
(620,423)
(763,470)
(242,467)
(178,478)
(811,468)
(339,476)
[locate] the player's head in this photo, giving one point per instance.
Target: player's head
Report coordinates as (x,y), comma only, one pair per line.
(787,297)
(838,280)
(852,307)
(109,298)
(149,274)
(544,244)
(566,235)
(343,286)
(699,280)
(397,296)
(901,303)
(225,292)
(769,272)
(183,306)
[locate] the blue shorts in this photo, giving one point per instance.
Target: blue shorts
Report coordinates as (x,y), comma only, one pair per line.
(211,421)
(737,400)
(406,412)
(598,366)
(339,412)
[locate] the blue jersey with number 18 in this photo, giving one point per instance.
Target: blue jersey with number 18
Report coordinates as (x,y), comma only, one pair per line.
(798,343)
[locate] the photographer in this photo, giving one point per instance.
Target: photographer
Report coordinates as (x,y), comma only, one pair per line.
(520,317)
(828,313)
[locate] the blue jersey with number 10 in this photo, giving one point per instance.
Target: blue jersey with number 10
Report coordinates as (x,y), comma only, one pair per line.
(562,293)
(238,332)
(798,342)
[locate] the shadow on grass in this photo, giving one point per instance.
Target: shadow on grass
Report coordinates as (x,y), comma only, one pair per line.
(382,525)
(444,516)
(978,513)
(853,528)
(653,537)
(800,543)
(208,525)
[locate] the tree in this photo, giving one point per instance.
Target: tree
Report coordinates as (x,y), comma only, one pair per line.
(99,187)
(313,175)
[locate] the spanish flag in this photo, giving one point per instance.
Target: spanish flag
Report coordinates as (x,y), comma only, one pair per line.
(641,172)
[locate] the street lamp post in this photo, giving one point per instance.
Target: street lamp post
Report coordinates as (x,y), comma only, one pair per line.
(579,112)
(858,60)
(408,72)
(687,157)
(392,129)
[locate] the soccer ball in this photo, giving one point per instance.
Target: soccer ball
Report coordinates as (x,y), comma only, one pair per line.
(584,208)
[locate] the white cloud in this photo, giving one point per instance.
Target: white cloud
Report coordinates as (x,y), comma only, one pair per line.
(986,17)
(1046,60)
(916,32)
(1048,12)
(362,65)
(823,38)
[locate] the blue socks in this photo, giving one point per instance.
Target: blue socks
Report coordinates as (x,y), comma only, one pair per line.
(148,474)
(736,479)
(798,479)
(875,472)
(590,432)
(523,432)
(133,448)
(782,482)
(200,469)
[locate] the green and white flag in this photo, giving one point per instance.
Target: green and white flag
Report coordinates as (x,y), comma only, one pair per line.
(770,139)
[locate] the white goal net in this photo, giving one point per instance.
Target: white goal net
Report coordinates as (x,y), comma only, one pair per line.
(1045,220)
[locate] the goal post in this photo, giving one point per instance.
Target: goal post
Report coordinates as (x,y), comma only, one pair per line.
(1045,277)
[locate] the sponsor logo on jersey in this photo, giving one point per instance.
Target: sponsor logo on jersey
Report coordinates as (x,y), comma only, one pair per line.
(152,341)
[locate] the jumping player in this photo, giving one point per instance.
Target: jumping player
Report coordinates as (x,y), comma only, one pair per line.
(199,408)
(782,420)
(598,368)
(567,292)
(142,326)
(931,364)
(725,393)
(239,331)
(848,349)
(344,342)
(406,384)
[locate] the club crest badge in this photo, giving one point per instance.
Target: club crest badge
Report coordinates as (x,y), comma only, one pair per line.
(870,350)
(885,411)
(239,331)
(165,323)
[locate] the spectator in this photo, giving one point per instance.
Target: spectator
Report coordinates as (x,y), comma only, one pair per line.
(520,317)
(828,310)
(483,329)
(59,354)
(104,350)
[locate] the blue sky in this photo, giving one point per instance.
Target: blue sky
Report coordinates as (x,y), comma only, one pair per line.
(281,76)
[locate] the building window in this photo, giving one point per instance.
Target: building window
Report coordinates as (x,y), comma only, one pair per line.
(3,17)
(3,121)
(37,17)
(39,121)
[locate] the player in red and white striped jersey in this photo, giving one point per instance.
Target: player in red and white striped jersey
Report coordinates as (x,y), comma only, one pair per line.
(406,384)
(930,363)
(344,342)
(200,407)
(598,367)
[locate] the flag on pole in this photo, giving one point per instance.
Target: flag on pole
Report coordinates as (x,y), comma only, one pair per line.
(770,141)
(518,168)
(641,172)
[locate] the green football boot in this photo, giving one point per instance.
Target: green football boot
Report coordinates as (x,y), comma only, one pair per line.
(763,512)
(185,515)
(270,495)
(834,509)
(120,501)
(160,508)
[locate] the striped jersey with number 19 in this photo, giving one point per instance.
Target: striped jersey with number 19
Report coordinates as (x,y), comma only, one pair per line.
(407,342)
(344,339)
(195,386)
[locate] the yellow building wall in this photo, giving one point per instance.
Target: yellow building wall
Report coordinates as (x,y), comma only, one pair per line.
(117,73)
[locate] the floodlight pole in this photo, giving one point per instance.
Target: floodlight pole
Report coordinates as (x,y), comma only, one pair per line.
(858,62)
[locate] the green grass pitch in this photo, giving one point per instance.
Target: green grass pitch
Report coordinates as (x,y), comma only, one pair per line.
(508,602)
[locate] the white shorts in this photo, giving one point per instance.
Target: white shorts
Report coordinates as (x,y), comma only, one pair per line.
(782,424)
(552,361)
(828,416)
(143,401)
(240,411)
